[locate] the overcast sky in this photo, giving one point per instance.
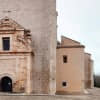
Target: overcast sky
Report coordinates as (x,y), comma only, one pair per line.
(80,20)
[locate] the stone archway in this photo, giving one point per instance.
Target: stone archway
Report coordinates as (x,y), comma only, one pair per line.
(6,84)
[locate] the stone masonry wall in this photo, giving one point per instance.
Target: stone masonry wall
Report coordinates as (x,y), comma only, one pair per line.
(40,17)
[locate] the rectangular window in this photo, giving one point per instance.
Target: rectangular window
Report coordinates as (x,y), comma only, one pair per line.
(65,59)
(6,43)
(64,84)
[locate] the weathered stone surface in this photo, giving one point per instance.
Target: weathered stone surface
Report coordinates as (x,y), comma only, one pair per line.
(71,72)
(40,17)
(15,63)
(89,80)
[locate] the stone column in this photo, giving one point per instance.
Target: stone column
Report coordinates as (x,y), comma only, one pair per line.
(28,82)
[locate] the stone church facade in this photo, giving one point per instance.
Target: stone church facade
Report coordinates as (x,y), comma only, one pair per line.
(40,17)
(15,56)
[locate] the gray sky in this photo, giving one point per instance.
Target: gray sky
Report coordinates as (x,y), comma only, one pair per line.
(80,20)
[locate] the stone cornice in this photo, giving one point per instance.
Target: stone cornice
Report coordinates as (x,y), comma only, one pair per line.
(74,46)
(7,52)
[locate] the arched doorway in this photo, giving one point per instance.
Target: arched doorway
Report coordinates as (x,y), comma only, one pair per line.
(6,84)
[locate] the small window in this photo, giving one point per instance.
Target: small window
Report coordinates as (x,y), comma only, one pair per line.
(64,84)
(65,59)
(6,43)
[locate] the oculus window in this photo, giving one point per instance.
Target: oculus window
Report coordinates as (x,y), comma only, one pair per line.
(6,43)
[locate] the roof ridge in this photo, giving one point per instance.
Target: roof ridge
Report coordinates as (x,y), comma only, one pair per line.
(70,39)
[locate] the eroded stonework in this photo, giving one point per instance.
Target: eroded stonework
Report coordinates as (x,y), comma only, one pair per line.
(16,62)
(40,17)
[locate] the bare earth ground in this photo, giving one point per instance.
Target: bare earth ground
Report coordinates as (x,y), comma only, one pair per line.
(94,94)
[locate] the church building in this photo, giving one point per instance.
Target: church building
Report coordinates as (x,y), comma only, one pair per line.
(31,61)
(40,17)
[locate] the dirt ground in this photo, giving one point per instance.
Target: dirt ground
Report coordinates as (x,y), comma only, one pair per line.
(93,94)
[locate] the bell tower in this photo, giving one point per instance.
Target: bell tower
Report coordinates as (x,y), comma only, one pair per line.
(40,17)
